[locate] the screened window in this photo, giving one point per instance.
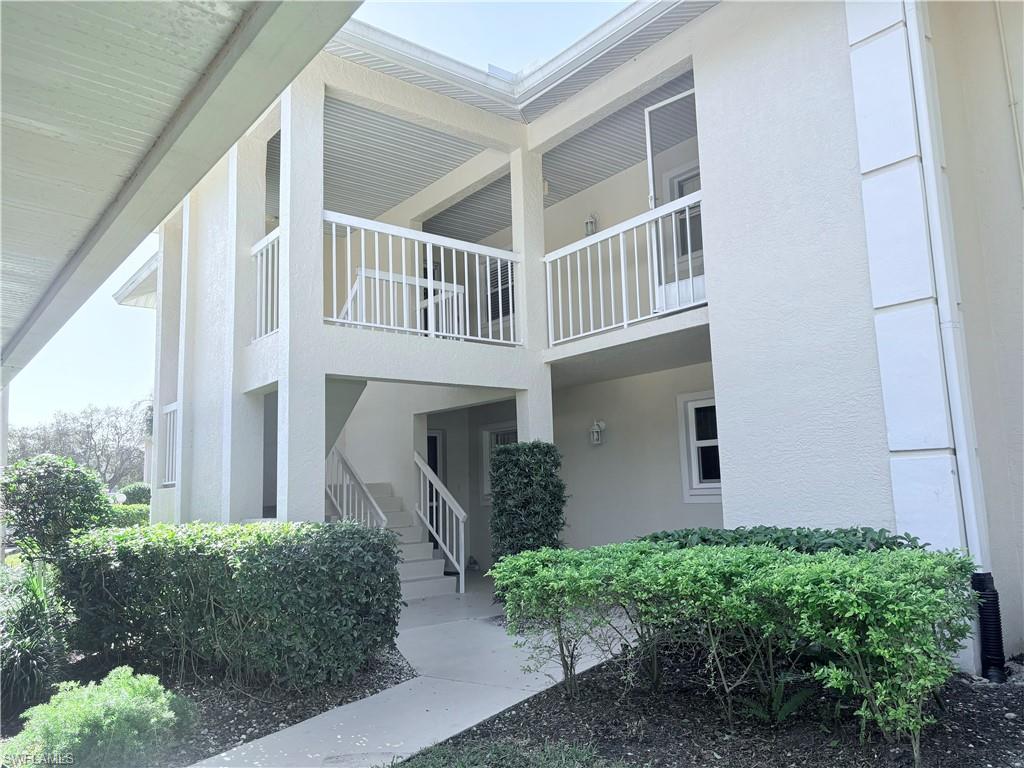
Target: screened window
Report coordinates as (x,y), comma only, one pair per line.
(705,469)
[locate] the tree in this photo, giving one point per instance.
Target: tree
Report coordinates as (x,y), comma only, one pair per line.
(109,440)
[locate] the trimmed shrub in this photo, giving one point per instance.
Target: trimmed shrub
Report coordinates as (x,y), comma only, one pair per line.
(47,498)
(123,516)
(528,498)
(123,722)
(136,493)
(806,540)
(286,604)
(880,627)
(33,647)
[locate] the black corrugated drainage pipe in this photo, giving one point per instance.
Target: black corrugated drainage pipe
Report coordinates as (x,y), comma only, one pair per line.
(991,628)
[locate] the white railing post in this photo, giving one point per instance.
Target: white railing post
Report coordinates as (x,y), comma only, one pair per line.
(625,287)
(349,495)
(443,517)
(431,319)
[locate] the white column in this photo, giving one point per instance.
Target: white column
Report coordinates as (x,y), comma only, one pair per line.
(533,405)
(5,413)
(242,492)
(302,388)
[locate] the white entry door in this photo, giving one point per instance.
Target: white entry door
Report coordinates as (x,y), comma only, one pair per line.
(676,241)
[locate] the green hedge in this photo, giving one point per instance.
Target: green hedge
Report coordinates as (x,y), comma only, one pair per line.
(806,540)
(286,604)
(123,722)
(880,627)
(123,516)
(136,493)
(527,497)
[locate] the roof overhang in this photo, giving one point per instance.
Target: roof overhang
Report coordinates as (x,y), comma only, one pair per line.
(267,48)
(139,290)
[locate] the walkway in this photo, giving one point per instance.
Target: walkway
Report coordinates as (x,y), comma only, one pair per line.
(467,670)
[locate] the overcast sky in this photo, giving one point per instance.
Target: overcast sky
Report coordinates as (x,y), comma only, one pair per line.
(104,354)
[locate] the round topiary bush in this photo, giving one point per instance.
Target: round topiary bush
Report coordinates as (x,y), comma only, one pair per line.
(46,498)
(136,493)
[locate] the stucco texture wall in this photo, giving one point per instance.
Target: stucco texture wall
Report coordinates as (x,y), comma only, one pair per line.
(631,484)
(799,400)
(209,347)
(985,197)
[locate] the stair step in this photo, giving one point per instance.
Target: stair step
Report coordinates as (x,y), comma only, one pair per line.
(420,569)
(420,550)
(389,503)
(411,534)
(401,519)
(380,489)
(431,587)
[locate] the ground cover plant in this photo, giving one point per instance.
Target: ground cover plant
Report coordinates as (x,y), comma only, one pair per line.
(878,628)
(509,753)
(121,722)
(124,515)
(806,540)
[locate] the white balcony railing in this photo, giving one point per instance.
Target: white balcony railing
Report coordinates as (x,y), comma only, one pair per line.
(397,279)
(169,415)
(266,255)
(646,266)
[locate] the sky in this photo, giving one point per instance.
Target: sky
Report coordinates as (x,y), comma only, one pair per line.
(104,355)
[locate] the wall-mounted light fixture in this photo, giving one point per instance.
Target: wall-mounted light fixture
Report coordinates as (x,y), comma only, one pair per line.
(597,432)
(590,225)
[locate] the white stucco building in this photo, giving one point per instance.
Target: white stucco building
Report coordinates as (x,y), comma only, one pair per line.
(743,263)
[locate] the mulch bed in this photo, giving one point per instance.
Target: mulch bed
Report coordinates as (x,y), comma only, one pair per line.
(227,715)
(681,725)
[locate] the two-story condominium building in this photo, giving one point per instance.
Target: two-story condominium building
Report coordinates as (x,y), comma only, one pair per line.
(743,263)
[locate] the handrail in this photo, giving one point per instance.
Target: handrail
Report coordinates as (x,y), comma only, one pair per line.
(442,489)
(655,213)
(443,517)
(414,234)
(267,240)
(363,498)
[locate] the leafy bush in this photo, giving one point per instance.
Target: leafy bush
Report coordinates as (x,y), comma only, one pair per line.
(528,498)
(46,499)
(807,540)
(122,722)
(287,604)
(33,647)
(879,626)
(123,516)
(136,493)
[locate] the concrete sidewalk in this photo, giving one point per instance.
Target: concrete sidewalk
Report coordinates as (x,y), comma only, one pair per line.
(468,669)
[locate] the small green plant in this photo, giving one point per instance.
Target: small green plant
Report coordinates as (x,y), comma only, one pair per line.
(33,646)
(284,604)
(123,516)
(528,498)
(136,493)
(46,499)
(122,722)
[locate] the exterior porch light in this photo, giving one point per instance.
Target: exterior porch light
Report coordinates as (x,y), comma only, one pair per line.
(596,431)
(590,225)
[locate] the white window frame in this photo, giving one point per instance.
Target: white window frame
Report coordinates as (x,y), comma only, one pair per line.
(694,491)
(485,453)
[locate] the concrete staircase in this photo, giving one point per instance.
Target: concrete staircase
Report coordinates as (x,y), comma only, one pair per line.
(422,566)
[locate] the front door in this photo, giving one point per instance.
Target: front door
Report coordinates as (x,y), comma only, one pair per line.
(673,173)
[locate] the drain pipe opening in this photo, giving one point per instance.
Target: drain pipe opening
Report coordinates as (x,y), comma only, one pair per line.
(990,625)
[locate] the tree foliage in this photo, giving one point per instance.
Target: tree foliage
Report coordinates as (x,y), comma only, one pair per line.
(109,440)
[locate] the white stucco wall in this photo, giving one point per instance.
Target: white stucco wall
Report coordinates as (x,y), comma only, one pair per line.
(985,196)
(631,484)
(208,347)
(796,372)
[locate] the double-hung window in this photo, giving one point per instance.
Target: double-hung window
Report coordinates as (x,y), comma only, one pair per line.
(698,437)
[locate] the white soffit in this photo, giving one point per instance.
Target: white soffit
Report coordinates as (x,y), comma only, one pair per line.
(111,112)
(529,95)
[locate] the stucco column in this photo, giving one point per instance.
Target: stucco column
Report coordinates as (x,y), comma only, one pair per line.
(243,413)
(302,387)
(533,405)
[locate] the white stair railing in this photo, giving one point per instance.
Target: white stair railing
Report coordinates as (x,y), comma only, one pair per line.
(266,255)
(397,279)
(349,494)
(443,516)
(649,265)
